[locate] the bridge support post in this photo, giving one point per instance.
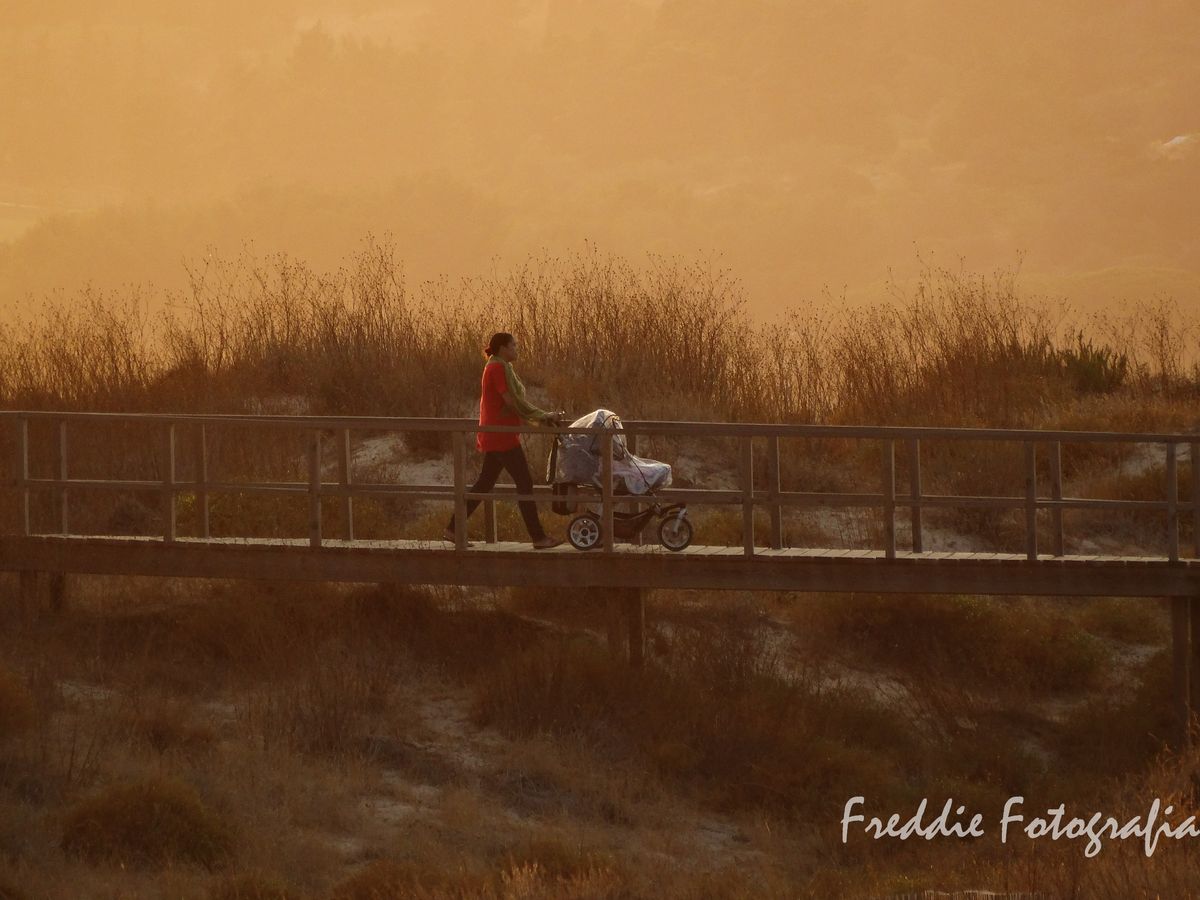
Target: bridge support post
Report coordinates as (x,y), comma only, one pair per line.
(41,593)
(57,591)
(625,617)
(1181,653)
(633,506)
(635,621)
(612,618)
(1194,655)
(29,595)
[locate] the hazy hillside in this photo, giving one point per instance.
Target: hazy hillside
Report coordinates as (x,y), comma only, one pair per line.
(811,144)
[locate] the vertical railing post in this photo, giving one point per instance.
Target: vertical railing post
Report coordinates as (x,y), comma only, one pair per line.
(608,542)
(202,480)
(458,449)
(747,480)
(28,594)
(1031,500)
(1172,504)
(632,505)
(1181,629)
(914,490)
(612,621)
(889,498)
(168,488)
(773,492)
(60,474)
(635,620)
(23,473)
(1056,513)
(1193,606)
(489,521)
(314,489)
(345,478)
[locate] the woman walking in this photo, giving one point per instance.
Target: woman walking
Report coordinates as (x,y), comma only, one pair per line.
(502,402)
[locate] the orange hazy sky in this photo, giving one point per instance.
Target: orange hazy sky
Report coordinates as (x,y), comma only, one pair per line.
(806,144)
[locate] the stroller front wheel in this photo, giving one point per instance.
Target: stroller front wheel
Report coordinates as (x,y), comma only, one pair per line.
(584,532)
(675,533)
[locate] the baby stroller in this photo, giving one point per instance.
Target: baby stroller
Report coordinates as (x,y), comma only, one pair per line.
(574,466)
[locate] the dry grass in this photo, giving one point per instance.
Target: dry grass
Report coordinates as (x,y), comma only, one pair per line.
(590,769)
(251,886)
(715,715)
(320,712)
(542,871)
(1008,644)
(1127,619)
(167,725)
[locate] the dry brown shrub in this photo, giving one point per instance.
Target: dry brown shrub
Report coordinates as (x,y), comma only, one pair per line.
(560,877)
(536,881)
(713,715)
(1009,645)
(164,726)
(557,858)
(151,822)
(387,879)
(251,886)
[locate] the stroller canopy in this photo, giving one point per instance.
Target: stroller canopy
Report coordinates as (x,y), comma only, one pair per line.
(576,459)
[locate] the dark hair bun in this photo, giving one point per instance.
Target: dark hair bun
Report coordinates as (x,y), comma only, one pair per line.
(499,339)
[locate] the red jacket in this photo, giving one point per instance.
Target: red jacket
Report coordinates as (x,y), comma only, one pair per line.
(492,410)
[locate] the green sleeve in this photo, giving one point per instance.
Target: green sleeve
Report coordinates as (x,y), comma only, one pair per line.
(524,408)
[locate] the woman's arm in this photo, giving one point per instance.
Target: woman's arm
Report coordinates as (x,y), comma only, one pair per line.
(515,401)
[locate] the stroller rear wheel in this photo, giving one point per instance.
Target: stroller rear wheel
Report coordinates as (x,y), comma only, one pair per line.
(675,533)
(584,532)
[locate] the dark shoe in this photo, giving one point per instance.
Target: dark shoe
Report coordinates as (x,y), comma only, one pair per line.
(546,543)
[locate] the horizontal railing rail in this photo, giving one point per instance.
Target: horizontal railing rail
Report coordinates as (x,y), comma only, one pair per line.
(641,426)
(774,498)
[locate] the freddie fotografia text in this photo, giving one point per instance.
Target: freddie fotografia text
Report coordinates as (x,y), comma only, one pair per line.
(1051,823)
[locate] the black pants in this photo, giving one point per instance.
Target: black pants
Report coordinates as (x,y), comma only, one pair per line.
(514,461)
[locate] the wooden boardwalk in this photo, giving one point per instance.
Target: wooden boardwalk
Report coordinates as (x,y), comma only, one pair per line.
(35,548)
(648,566)
(183,451)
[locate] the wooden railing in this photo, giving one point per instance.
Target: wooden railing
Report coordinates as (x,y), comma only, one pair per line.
(774,499)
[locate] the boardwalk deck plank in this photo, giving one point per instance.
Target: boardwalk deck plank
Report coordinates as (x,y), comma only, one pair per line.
(521,547)
(647,566)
